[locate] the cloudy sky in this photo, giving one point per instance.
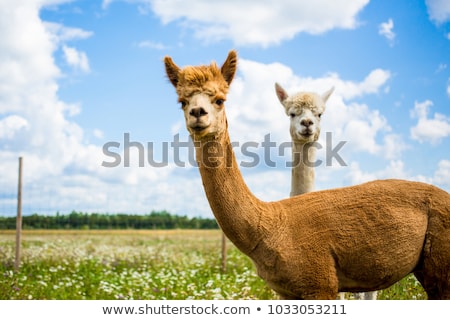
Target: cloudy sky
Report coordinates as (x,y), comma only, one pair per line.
(85,101)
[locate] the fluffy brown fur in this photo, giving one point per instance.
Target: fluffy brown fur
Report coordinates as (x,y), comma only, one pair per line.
(359,238)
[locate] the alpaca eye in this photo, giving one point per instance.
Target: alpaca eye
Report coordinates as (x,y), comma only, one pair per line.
(183,104)
(319,115)
(292,115)
(220,102)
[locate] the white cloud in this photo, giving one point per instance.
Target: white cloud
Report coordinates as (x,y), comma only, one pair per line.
(152,45)
(11,125)
(76,59)
(71,109)
(441,67)
(28,88)
(252,116)
(61,33)
(361,128)
(438,10)
(106,3)
(269,185)
(448,88)
(431,130)
(394,170)
(442,174)
(265,23)
(98,133)
(386,30)
(393,146)
(61,171)
(373,83)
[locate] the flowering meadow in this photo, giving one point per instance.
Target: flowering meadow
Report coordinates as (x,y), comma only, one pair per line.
(132,264)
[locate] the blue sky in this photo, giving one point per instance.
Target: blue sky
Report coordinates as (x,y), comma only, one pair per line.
(76,76)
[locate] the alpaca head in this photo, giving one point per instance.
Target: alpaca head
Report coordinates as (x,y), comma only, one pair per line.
(202,92)
(305,110)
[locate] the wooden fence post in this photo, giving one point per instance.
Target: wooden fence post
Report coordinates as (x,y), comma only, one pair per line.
(224,253)
(19,218)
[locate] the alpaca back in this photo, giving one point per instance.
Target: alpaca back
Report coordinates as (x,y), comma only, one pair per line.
(373,234)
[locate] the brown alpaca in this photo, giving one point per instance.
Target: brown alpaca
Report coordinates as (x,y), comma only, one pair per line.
(354,239)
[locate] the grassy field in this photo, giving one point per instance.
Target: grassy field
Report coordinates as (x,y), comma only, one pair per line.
(130,264)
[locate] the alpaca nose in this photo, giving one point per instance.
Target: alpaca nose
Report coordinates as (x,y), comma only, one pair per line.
(306,122)
(198,112)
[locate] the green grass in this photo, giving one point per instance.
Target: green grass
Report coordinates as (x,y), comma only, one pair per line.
(175,264)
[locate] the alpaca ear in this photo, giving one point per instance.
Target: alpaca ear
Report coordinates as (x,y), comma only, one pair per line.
(327,94)
(229,67)
(281,93)
(172,70)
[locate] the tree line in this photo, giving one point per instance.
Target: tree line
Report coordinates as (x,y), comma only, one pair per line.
(81,220)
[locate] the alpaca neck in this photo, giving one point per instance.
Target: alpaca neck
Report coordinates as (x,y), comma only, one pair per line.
(236,209)
(303,157)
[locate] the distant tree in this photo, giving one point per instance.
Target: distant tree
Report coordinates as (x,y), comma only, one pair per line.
(80,220)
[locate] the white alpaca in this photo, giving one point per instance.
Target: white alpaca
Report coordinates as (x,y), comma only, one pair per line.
(305,110)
